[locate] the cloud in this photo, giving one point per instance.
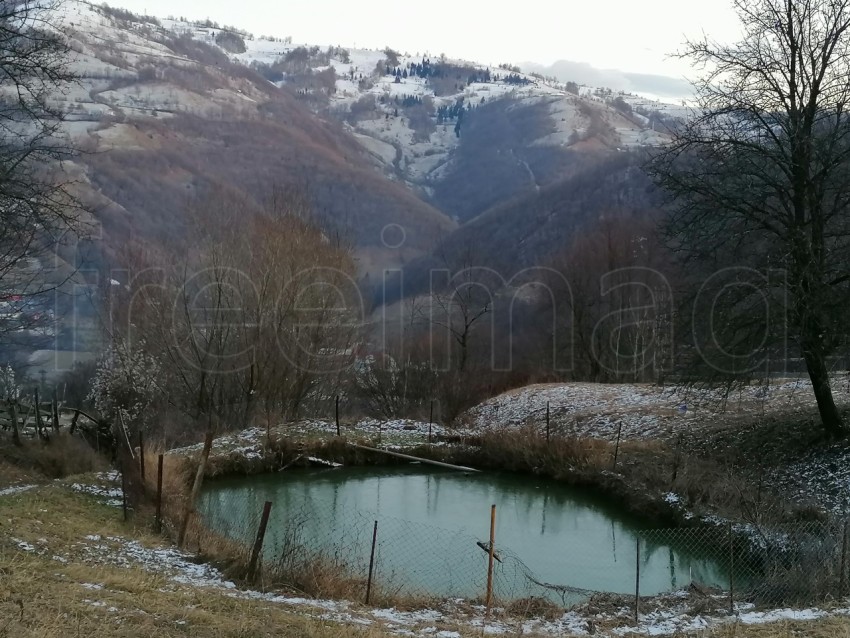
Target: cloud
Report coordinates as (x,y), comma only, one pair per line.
(582,73)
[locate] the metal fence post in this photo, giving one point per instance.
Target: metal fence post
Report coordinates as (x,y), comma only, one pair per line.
(637,578)
(617,447)
(430,421)
(489,598)
(731,572)
(158,519)
(258,543)
(371,562)
(123,490)
(547,422)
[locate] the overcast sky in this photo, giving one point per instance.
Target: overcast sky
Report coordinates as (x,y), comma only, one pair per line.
(628,35)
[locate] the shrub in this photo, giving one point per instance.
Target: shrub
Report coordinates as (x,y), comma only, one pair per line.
(230,42)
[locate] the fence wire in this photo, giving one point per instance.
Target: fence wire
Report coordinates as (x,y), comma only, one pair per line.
(324,550)
(765,566)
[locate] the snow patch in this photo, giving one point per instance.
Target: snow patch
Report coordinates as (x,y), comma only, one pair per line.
(10,491)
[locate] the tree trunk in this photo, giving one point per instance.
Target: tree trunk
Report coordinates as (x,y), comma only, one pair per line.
(196,487)
(819,375)
(13,416)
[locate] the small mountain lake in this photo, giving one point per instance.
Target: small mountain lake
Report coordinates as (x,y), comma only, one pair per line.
(429,523)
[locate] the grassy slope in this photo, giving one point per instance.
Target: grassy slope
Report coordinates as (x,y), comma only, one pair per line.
(55,582)
(41,596)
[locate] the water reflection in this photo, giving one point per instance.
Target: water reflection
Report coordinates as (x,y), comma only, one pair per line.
(566,536)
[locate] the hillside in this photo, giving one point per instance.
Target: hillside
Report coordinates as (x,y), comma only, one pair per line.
(528,230)
(163,117)
(464,135)
(373,138)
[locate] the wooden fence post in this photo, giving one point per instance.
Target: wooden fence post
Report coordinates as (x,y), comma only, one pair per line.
(123,490)
(489,598)
(74,422)
(677,459)
(258,543)
(55,410)
(158,519)
(196,487)
(337,415)
(39,424)
(371,563)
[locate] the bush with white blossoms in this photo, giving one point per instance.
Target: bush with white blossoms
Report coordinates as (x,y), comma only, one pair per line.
(126,383)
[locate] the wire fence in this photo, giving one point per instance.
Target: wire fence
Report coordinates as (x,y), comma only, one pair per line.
(326,550)
(788,565)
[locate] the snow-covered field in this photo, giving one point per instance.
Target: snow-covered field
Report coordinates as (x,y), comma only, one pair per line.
(634,410)
(818,477)
(393,434)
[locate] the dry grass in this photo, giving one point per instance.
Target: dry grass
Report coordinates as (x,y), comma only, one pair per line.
(645,471)
(299,572)
(534,607)
(829,628)
(34,460)
(45,597)
(11,474)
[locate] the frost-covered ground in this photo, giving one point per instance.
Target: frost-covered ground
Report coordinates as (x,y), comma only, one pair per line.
(644,411)
(17,489)
(579,409)
(106,487)
(822,476)
(391,434)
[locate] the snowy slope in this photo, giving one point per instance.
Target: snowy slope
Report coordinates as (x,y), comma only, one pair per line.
(138,73)
(110,49)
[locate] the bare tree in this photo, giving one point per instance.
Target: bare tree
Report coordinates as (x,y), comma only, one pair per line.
(610,301)
(458,321)
(255,312)
(38,211)
(760,179)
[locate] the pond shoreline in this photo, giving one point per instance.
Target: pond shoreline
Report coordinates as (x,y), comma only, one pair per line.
(652,483)
(583,463)
(284,453)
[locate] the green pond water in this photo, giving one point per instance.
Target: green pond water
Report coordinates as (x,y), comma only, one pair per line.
(429,521)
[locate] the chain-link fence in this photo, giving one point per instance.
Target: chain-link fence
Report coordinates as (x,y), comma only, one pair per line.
(766,566)
(326,550)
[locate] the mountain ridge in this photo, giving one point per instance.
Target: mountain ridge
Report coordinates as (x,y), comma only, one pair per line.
(377,140)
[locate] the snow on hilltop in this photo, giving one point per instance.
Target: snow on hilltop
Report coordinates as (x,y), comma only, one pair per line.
(404,115)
